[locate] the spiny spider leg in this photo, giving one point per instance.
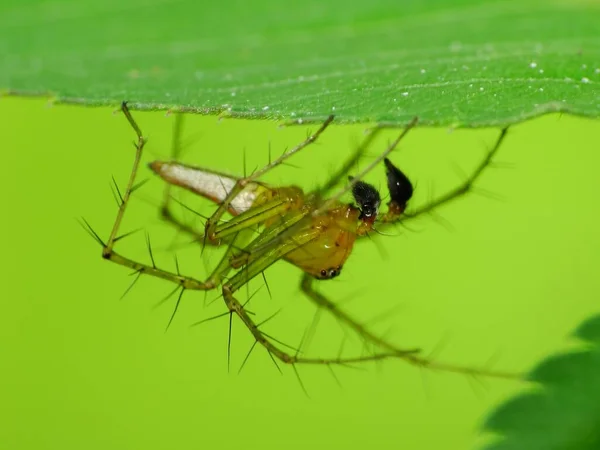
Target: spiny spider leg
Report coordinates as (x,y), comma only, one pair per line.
(108,251)
(390,350)
(398,215)
(212,223)
(166,211)
(358,178)
(235,243)
(349,164)
(175,153)
(258,265)
(343,172)
(321,301)
(215,230)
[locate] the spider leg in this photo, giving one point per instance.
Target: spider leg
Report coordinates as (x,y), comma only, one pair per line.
(238,229)
(213,222)
(342,173)
(322,302)
(108,251)
(462,189)
(389,350)
(166,210)
(331,200)
(256,266)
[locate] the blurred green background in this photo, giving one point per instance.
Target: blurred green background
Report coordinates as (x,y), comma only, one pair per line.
(509,277)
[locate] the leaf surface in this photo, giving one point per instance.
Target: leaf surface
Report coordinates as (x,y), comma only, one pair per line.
(460,63)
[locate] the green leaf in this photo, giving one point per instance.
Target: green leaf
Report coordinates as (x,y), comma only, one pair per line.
(564,412)
(461,63)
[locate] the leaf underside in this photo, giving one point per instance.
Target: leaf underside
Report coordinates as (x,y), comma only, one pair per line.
(563,412)
(451,62)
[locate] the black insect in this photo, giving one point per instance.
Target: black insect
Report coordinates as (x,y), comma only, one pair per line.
(368,199)
(400,187)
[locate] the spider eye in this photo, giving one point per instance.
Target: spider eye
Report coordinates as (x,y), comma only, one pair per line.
(330,273)
(400,187)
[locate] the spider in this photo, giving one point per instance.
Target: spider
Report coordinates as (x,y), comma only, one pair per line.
(313,231)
